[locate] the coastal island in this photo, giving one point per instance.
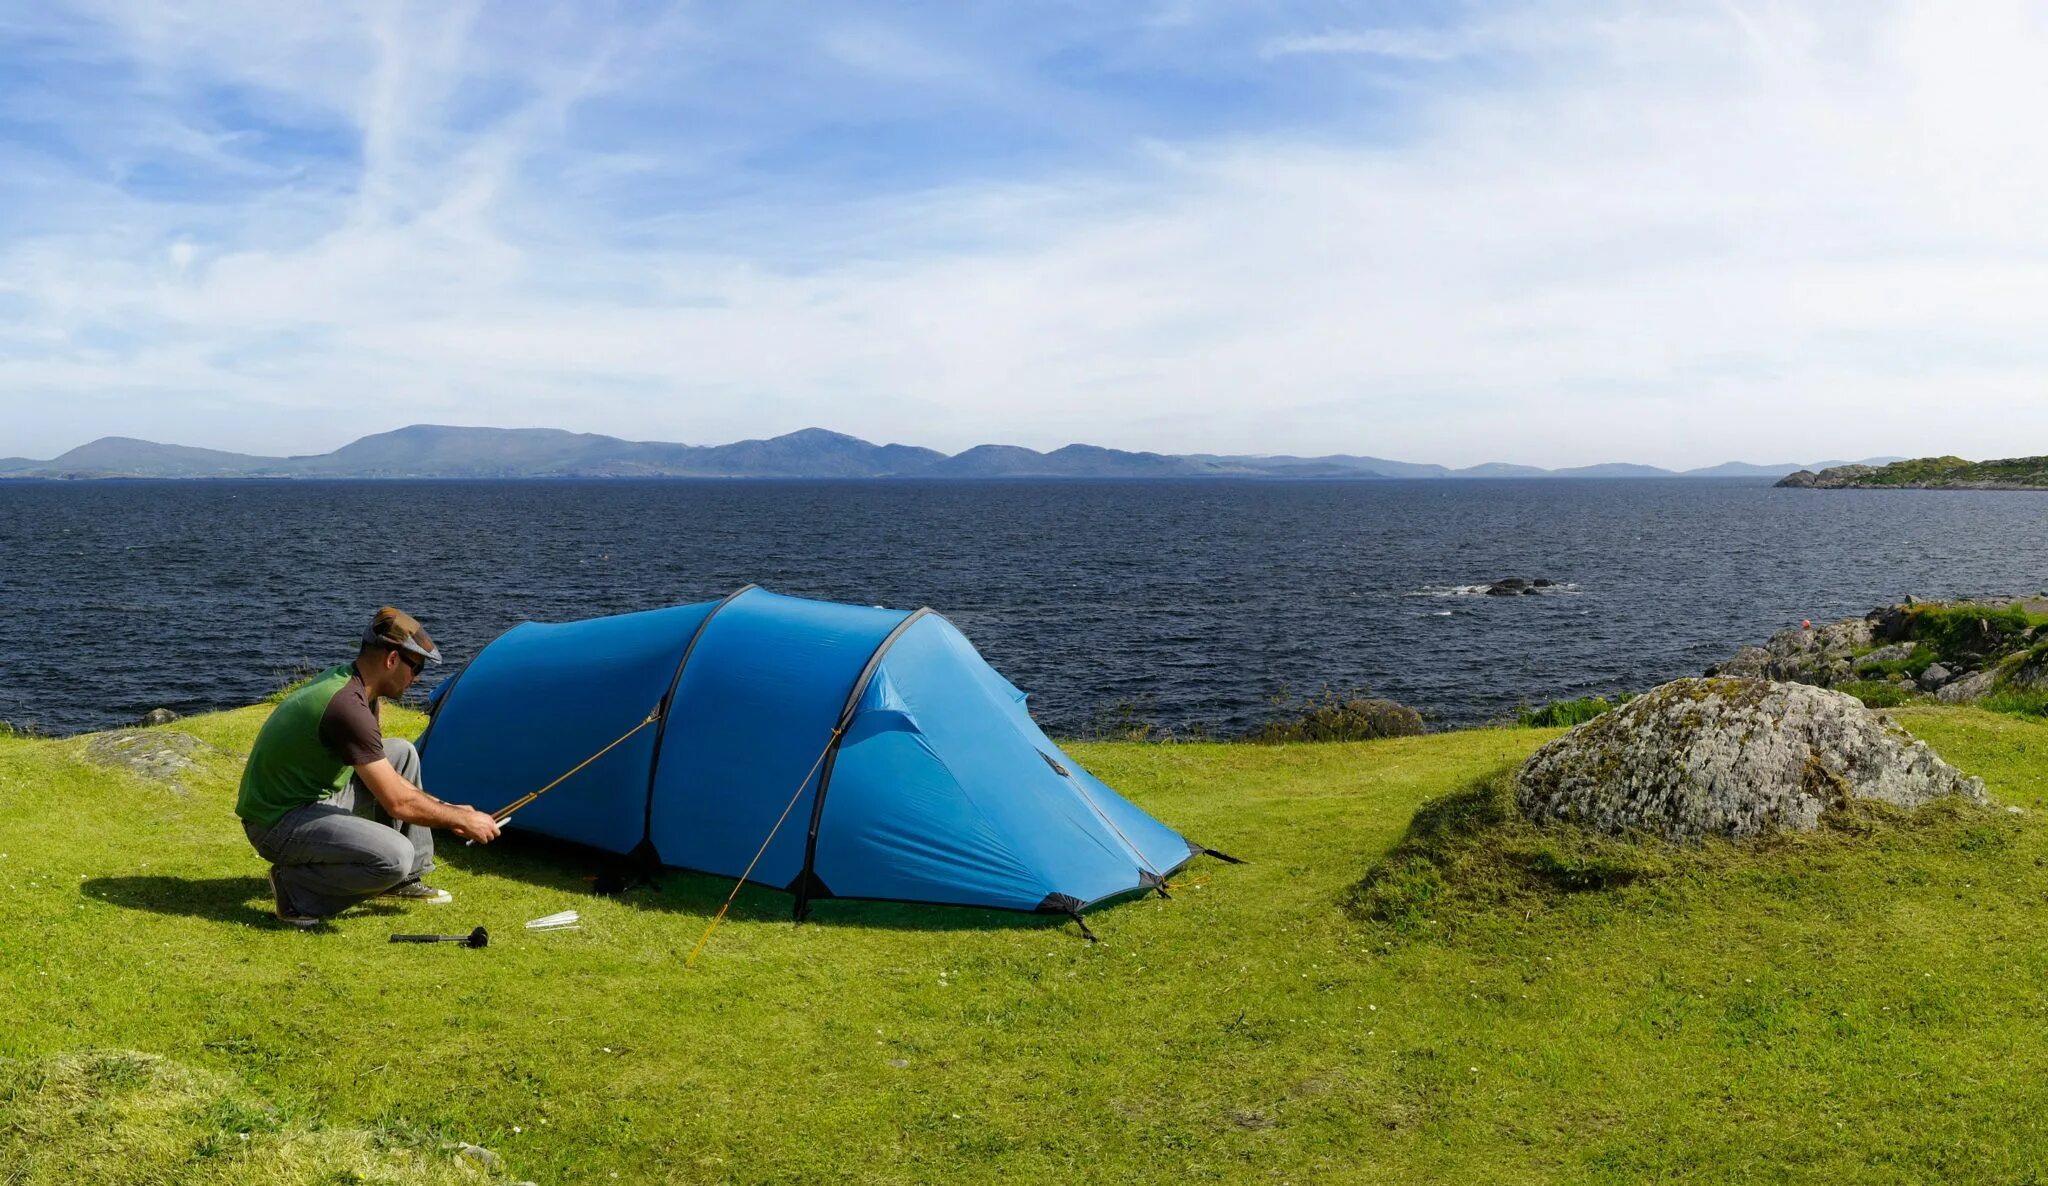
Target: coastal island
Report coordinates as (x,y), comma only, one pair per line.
(1928,473)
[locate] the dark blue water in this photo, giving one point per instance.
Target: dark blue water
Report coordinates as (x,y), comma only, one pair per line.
(1194,602)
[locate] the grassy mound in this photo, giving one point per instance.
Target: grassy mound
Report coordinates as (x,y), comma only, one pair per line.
(1469,859)
(1861,1010)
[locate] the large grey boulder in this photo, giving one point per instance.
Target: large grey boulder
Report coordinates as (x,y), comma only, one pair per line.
(1733,758)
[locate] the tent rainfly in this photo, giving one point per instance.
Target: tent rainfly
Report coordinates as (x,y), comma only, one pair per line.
(927,779)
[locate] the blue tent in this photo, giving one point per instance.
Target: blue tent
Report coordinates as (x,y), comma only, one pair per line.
(900,765)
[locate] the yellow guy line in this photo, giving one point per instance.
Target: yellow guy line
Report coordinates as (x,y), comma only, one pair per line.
(786,809)
(503,812)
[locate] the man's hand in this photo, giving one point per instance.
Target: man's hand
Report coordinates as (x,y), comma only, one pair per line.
(475,826)
(403,801)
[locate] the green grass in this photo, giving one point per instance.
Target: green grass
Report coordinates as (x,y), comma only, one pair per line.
(1952,631)
(1911,666)
(1877,693)
(1562,714)
(2024,702)
(1863,1008)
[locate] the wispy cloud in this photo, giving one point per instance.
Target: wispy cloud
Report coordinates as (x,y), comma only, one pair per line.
(1420,45)
(1555,232)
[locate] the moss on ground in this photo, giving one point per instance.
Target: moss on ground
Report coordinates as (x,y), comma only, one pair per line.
(114,1117)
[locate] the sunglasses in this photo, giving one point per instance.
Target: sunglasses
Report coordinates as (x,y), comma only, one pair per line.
(413,662)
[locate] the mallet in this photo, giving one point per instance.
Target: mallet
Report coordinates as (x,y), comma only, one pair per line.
(476,938)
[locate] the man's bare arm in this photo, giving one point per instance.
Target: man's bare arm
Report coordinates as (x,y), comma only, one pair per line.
(407,803)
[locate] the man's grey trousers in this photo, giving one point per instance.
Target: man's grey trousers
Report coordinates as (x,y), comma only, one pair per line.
(337,852)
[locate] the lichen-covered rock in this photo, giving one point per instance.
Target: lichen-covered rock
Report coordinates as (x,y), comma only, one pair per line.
(1730,757)
(160,755)
(1889,653)
(1748,663)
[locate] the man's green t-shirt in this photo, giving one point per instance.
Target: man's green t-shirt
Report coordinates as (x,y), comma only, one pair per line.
(309,747)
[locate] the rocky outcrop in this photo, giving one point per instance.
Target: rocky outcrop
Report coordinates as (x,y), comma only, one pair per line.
(1833,478)
(1959,652)
(1732,758)
(1929,473)
(1804,654)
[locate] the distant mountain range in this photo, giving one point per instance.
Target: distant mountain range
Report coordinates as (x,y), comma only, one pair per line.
(436,451)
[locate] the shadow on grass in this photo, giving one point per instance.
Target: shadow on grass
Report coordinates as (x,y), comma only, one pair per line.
(223,899)
(571,868)
(238,900)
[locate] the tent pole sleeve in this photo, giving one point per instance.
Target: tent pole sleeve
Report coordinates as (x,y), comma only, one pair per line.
(668,699)
(860,686)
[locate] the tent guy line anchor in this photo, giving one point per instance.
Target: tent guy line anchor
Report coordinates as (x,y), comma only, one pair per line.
(505,812)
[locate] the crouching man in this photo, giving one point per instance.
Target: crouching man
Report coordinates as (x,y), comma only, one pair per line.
(334,805)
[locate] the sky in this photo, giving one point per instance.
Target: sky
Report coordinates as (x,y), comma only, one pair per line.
(1552,232)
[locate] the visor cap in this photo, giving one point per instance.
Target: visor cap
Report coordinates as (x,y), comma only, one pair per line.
(393,627)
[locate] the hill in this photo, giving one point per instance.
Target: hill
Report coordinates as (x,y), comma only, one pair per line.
(1859,1006)
(445,451)
(121,457)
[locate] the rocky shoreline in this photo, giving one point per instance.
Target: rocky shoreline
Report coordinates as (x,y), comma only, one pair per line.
(1952,652)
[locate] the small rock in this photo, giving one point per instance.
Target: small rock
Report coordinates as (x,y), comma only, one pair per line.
(483,1158)
(1934,677)
(1890,653)
(157,716)
(1974,686)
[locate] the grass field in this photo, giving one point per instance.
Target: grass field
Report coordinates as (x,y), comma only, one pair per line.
(1866,1008)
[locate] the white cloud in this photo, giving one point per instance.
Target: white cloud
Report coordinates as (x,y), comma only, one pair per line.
(1673,234)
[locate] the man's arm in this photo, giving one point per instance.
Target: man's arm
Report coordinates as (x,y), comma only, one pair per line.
(407,803)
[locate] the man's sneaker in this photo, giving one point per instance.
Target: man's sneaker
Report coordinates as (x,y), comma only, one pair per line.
(418,891)
(285,914)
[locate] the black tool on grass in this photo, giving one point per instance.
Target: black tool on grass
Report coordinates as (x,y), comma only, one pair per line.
(476,938)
